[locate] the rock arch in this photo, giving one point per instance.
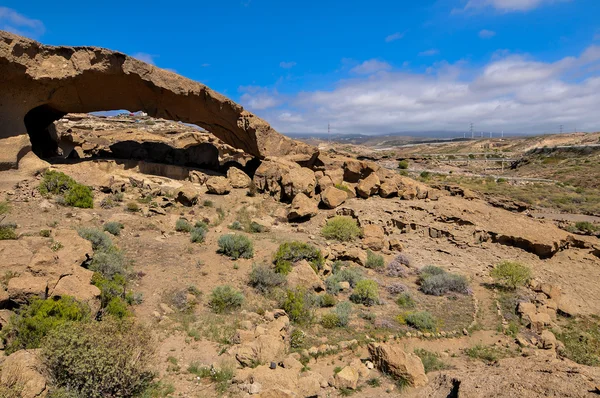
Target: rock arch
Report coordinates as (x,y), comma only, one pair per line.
(42,83)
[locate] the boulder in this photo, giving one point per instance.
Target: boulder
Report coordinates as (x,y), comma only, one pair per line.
(23,368)
(187,195)
(218,185)
(336,175)
(373,237)
(547,340)
(34,88)
(368,186)
(237,178)
(303,275)
(22,289)
(388,189)
(302,207)
(323,181)
(333,197)
(299,181)
(394,361)
(267,177)
(347,378)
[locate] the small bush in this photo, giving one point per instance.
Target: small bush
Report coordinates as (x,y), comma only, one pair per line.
(256,228)
(45,233)
(350,275)
(132,207)
(4,208)
(198,233)
(405,300)
(403,164)
(183,225)
(208,203)
(117,307)
(366,292)
(297,338)
(263,278)
(327,300)
(341,228)
(113,228)
(291,252)
(7,231)
(225,299)
(421,320)
(100,241)
(338,317)
(117,354)
(221,376)
(236,246)
(236,226)
(396,288)
(297,304)
(431,360)
(511,274)
(397,267)
(586,226)
(488,354)
(109,263)
(329,320)
(581,339)
(374,261)
(425,175)
(74,194)
(438,285)
(27,329)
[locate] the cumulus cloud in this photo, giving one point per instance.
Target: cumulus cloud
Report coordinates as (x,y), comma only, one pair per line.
(287,65)
(12,21)
(258,98)
(371,66)
(147,58)
(486,34)
(509,5)
(429,53)
(514,93)
(394,37)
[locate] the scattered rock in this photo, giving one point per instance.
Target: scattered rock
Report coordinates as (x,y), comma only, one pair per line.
(218,185)
(394,361)
(301,180)
(368,186)
(187,195)
(303,275)
(237,178)
(302,207)
(332,197)
(373,237)
(346,378)
(22,368)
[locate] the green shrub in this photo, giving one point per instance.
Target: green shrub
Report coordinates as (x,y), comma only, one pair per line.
(263,278)
(225,299)
(366,292)
(327,300)
(113,228)
(75,194)
(403,164)
(117,307)
(438,285)
(110,262)
(297,304)
(183,225)
(341,228)
(330,320)
(45,233)
(100,359)
(297,338)
(581,339)
(220,376)
(198,233)
(34,321)
(425,175)
(236,226)
(405,300)
(338,317)
(109,288)
(586,226)
(132,207)
(7,231)
(350,275)
(208,203)
(100,241)
(511,274)
(236,246)
(431,360)
(374,261)
(485,353)
(4,208)
(256,228)
(422,321)
(291,252)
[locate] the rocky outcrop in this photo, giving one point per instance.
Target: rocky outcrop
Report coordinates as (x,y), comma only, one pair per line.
(368,186)
(333,197)
(303,275)
(302,207)
(237,178)
(23,370)
(218,185)
(302,180)
(40,84)
(394,361)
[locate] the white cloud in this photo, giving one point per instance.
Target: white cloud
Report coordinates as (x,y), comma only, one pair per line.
(486,34)
(144,57)
(12,21)
(258,98)
(513,93)
(509,5)
(429,53)
(287,65)
(371,66)
(394,37)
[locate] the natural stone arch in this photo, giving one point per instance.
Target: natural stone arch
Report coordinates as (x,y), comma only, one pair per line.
(42,83)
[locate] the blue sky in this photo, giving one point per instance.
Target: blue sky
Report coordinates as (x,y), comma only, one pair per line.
(522,66)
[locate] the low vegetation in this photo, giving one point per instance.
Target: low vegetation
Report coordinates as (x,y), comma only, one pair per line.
(298,305)
(437,282)
(431,360)
(236,246)
(225,299)
(8,231)
(511,274)
(183,225)
(338,317)
(264,278)
(374,261)
(485,353)
(403,164)
(420,320)
(70,192)
(366,292)
(581,339)
(113,228)
(341,228)
(290,252)
(351,275)
(221,376)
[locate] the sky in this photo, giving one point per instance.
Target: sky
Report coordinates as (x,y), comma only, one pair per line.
(370,67)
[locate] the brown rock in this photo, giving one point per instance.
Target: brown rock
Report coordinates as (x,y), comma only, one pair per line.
(547,340)
(396,245)
(333,197)
(299,181)
(388,189)
(267,177)
(237,178)
(373,237)
(552,291)
(22,289)
(303,275)
(368,186)
(22,368)
(302,207)
(394,361)
(346,378)
(47,82)
(187,195)
(336,175)
(323,181)
(218,185)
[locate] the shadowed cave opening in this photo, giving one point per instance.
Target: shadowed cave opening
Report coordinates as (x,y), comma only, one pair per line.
(47,144)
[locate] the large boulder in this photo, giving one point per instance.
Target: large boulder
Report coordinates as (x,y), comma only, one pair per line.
(24,370)
(303,275)
(40,84)
(388,189)
(373,237)
(187,195)
(368,186)
(218,185)
(267,177)
(394,361)
(302,207)
(347,378)
(333,197)
(299,181)
(237,178)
